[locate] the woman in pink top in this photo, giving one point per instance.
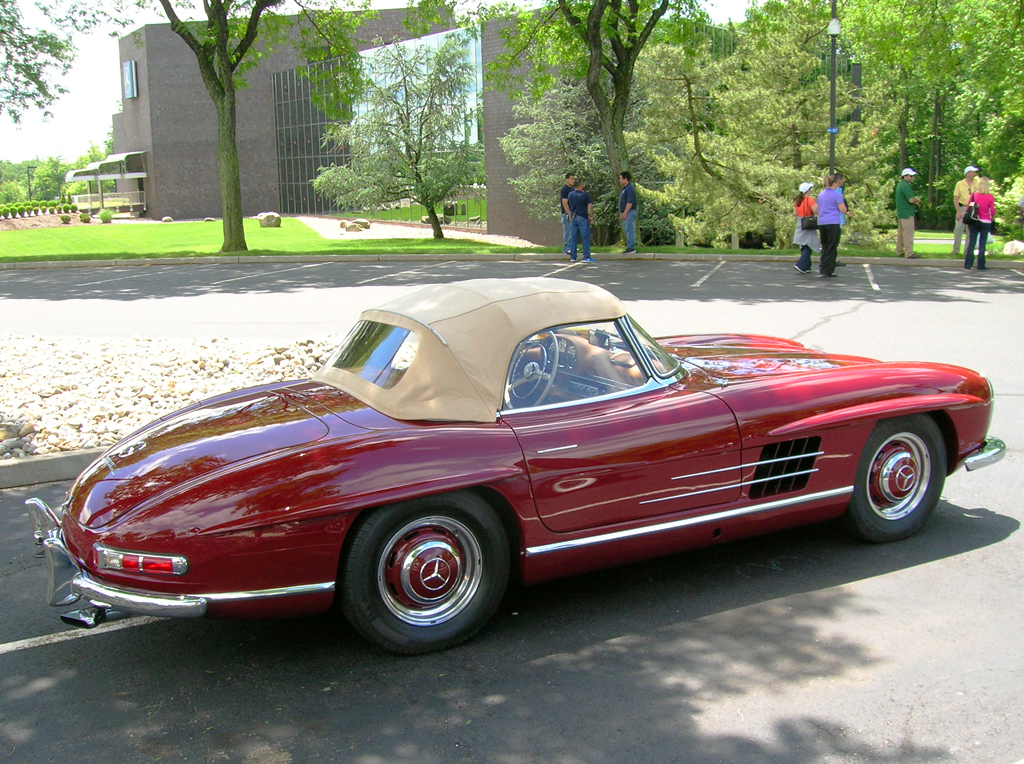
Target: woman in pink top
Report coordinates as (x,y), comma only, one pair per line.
(986,214)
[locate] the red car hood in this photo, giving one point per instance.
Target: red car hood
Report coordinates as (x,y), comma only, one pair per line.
(731,358)
(192,443)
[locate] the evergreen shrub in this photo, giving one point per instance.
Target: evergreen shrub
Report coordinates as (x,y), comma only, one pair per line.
(85,217)
(106,216)
(65,219)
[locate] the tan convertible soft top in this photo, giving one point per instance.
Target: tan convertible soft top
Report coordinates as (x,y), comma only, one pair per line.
(466,333)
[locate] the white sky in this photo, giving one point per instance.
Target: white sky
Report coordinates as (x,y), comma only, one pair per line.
(83,115)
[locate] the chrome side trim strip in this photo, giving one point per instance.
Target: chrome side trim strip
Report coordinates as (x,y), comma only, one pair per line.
(785,459)
(711,472)
(731,485)
(688,521)
(261,594)
(991,451)
(751,464)
(558,448)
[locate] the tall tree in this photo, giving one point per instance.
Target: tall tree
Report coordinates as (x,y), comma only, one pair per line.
(737,134)
(912,51)
(32,60)
(595,41)
(411,137)
(555,134)
(225,48)
(993,86)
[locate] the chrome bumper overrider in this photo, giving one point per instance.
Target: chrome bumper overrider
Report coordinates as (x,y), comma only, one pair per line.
(67,582)
(991,451)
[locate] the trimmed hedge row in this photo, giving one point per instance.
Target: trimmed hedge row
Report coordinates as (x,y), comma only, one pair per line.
(32,208)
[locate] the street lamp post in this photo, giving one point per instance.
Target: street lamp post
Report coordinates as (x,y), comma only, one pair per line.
(833,33)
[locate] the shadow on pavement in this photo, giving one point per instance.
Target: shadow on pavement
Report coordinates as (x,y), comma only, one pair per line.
(606,667)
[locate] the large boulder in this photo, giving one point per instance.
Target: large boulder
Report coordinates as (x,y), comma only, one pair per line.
(1013,248)
(269,220)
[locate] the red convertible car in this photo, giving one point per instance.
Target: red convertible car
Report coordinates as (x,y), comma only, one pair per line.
(470,433)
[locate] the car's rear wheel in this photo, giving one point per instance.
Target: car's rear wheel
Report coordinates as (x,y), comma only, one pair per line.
(425,574)
(899,479)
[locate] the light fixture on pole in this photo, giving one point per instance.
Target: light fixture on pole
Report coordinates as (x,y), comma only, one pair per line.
(833,33)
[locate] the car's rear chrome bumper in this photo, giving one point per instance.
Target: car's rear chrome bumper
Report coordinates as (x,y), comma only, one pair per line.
(991,451)
(67,582)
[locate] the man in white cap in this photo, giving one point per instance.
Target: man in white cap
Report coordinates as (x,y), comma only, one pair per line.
(906,208)
(961,195)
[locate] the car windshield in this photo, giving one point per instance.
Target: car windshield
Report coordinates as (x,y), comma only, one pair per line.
(379,353)
(663,363)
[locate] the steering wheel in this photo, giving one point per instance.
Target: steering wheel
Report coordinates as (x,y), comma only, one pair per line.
(533,370)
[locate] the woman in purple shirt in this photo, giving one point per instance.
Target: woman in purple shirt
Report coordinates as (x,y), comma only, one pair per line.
(830,205)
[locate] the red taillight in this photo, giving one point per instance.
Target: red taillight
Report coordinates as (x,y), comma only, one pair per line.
(140,562)
(157,565)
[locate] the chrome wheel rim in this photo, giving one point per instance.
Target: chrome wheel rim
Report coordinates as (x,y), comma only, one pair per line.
(899,476)
(429,571)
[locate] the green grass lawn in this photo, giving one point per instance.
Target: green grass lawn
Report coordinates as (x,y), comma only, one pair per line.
(464,209)
(156,240)
(149,240)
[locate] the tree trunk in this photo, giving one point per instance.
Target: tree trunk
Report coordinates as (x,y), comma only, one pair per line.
(904,118)
(434,222)
(935,146)
(227,169)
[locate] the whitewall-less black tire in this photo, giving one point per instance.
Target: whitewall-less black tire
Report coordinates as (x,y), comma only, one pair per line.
(425,574)
(899,479)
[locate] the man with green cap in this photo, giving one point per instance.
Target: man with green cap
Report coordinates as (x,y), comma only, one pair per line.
(906,208)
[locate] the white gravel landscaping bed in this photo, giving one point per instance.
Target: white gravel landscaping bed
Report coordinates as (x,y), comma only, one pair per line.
(66,394)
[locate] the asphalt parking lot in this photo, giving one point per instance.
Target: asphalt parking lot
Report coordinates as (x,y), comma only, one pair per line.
(804,647)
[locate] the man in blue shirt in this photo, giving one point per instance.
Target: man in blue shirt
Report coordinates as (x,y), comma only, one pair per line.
(567,187)
(581,208)
(627,210)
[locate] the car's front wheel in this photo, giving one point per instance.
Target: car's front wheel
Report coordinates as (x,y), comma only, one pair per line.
(899,479)
(425,574)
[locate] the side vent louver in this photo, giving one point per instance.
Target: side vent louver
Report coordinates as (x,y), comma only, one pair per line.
(785,467)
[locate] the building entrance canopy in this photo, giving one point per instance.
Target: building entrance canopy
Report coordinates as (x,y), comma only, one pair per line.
(131,164)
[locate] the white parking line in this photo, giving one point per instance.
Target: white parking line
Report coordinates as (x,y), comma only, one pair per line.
(413,272)
(562,269)
(65,636)
(263,274)
(144,272)
(871,278)
(710,273)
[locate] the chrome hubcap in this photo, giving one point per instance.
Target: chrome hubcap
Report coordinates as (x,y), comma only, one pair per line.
(429,571)
(899,476)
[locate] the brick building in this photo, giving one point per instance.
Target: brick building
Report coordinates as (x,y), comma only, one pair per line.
(168,124)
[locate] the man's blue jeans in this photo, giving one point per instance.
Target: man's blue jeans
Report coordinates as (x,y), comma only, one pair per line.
(629,228)
(566,232)
(580,230)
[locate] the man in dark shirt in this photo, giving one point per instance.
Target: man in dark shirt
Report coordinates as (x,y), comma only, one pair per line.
(581,208)
(570,181)
(627,210)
